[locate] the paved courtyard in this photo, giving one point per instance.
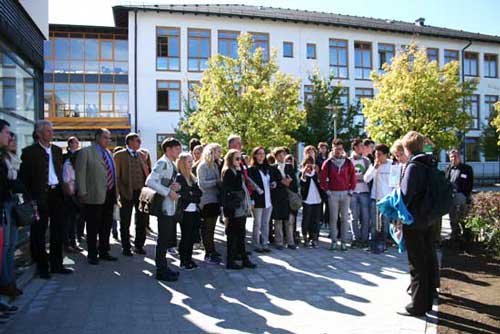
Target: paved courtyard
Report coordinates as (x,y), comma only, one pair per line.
(302,291)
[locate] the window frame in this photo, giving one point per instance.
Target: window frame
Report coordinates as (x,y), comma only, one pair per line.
(199,59)
(168,89)
(157,48)
(495,76)
(314,48)
(362,61)
(267,55)
(227,39)
(437,54)
(477,116)
(385,51)
(469,67)
(288,43)
(451,50)
(336,66)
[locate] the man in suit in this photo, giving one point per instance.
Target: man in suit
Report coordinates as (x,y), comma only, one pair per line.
(133,166)
(41,173)
(96,184)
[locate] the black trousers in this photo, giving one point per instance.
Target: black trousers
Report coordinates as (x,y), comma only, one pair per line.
(50,209)
(99,218)
(72,220)
(311,216)
(235,232)
(189,225)
(166,235)
(141,221)
(422,258)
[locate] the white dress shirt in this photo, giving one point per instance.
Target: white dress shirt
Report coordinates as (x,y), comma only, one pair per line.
(53,180)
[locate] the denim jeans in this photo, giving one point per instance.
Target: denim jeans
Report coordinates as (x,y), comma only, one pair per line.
(10,231)
(360,214)
(338,202)
(383,230)
(260,232)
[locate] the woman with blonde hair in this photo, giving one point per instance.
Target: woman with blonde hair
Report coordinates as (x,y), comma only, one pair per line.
(189,199)
(236,205)
(209,182)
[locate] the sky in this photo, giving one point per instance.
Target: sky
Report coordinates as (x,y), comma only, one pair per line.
(469,15)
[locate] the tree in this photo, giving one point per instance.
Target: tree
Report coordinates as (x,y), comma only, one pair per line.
(323,106)
(415,94)
(489,138)
(247,96)
(496,121)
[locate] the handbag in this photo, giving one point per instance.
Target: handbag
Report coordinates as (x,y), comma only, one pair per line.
(24,213)
(294,200)
(150,202)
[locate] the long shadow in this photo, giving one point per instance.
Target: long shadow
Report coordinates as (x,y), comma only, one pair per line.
(458,276)
(463,325)
(492,310)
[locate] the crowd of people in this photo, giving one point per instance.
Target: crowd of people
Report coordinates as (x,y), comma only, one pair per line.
(200,187)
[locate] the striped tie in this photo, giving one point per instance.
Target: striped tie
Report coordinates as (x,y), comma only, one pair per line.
(109,172)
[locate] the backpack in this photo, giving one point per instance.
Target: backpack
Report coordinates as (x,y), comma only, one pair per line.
(438,194)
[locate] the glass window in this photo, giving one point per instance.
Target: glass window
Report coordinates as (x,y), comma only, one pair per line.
(168,49)
(192,100)
(106,50)
(432,54)
(168,96)
(362,60)
(311,51)
(121,103)
(47,48)
(308,94)
(490,66)
(8,88)
(76,48)
(91,49)
(472,149)
(338,58)
(471,60)
(385,54)
(450,55)
(121,50)
(472,107)
(61,48)
(198,49)
(228,43)
(489,106)
(76,104)
(61,103)
(106,103)
(91,103)
(261,40)
(288,49)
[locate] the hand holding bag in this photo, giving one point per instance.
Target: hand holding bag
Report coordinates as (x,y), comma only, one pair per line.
(24,213)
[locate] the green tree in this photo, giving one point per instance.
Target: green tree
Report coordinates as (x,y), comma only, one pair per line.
(496,121)
(489,138)
(415,94)
(325,111)
(247,96)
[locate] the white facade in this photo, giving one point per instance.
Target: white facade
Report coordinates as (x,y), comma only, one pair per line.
(151,123)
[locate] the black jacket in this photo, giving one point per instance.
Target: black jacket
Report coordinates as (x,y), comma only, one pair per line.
(4,183)
(253,173)
(465,180)
(414,188)
(232,193)
(189,194)
(304,185)
(279,195)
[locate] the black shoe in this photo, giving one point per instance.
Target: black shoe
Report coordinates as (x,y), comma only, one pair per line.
(170,271)
(107,257)
(62,270)
(187,266)
(194,264)
(166,277)
(127,252)
(3,316)
(259,250)
(279,247)
(266,250)
(93,261)
(292,247)
(249,264)
(9,309)
(233,265)
(248,252)
(139,250)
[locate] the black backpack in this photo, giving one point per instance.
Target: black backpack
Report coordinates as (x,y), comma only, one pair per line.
(438,194)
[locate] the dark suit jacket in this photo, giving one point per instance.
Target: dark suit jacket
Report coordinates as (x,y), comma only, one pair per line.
(465,180)
(34,172)
(253,173)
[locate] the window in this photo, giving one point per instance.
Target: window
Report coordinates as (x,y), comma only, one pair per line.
(261,40)
(311,51)
(385,54)
(168,96)
(198,49)
(288,49)
(361,93)
(160,137)
(490,66)
(472,149)
(362,60)
(228,43)
(471,64)
(472,107)
(192,99)
(489,108)
(338,59)
(432,54)
(106,50)
(308,94)
(168,49)
(450,55)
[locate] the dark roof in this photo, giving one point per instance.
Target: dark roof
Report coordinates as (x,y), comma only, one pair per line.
(85,28)
(303,16)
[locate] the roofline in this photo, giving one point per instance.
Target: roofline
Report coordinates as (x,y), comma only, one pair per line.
(492,38)
(86,28)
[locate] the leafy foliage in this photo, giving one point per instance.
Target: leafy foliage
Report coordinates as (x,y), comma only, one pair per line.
(496,121)
(490,143)
(415,94)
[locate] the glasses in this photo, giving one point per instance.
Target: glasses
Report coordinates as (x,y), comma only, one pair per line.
(237,159)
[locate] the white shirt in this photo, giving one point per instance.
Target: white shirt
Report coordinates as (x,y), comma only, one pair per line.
(266,178)
(190,208)
(380,175)
(281,168)
(313,196)
(53,180)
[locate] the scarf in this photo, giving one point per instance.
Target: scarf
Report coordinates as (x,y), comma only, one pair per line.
(339,162)
(13,164)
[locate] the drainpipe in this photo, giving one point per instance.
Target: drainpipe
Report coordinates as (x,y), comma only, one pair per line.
(463,102)
(135,71)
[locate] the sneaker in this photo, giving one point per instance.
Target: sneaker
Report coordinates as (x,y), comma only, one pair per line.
(343,247)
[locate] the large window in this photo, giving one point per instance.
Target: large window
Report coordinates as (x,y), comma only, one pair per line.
(311,51)
(288,49)
(198,49)
(168,96)
(472,107)
(361,93)
(228,43)
(385,54)
(261,40)
(472,149)
(362,60)
(489,106)
(432,54)
(450,55)
(490,65)
(471,60)
(168,49)
(338,59)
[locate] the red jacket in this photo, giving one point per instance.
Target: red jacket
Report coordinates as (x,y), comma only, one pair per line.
(331,178)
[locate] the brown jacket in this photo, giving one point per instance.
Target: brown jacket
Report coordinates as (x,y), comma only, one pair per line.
(123,172)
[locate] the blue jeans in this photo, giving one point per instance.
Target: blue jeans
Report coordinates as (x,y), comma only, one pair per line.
(10,231)
(360,213)
(384,228)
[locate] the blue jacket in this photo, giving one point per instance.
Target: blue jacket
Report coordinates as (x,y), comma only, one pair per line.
(393,207)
